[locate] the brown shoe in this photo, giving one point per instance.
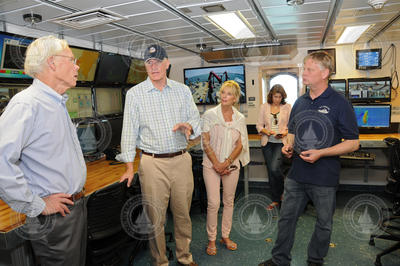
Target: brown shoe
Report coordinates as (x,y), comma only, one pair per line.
(190,264)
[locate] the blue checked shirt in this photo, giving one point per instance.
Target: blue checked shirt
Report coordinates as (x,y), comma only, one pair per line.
(151,114)
(39,150)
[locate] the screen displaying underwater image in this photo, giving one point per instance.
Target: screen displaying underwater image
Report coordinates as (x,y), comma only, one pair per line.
(372,115)
(205,82)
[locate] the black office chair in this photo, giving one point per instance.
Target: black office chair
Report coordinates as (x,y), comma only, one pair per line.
(391,225)
(106,239)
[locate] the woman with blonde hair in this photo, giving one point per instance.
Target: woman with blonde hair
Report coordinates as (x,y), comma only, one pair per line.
(272,125)
(225,143)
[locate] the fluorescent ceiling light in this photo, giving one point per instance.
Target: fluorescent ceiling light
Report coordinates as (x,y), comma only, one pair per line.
(351,34)
(233,24)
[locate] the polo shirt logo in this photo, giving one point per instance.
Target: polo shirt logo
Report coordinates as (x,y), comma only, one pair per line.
(324,109)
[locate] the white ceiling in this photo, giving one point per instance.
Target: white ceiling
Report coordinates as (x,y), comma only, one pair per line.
(179,25)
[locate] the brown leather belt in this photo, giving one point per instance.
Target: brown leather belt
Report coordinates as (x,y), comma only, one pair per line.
(165,155)
(77,195)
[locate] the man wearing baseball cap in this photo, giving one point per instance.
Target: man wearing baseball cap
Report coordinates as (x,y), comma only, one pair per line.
(159,118)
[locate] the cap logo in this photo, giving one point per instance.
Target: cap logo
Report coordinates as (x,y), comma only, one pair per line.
(152,49)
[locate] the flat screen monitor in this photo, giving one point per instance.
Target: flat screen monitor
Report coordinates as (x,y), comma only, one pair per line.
(12,52)
(338,85)
(87,61)
(205,82)
(137,72)
(112,69)
(79,104)
(108,101)
(370,90)
(373,115)
(368,59)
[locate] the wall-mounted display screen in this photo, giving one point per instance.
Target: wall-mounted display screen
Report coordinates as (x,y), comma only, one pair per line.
(87,62)
(137,72)
(338,85)
(370,90)
(108,101)
(79,104)
(368,59)
(12,52)
(377,116)
(205,82)
(112,69)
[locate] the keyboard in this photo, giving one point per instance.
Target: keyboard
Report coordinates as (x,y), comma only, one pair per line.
(359,155)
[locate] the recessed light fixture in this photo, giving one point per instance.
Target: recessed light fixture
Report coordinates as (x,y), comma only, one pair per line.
(351,34)
(294,2)
(377,4)
(233,24)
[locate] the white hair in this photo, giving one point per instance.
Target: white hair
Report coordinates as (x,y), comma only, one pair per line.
(38,52)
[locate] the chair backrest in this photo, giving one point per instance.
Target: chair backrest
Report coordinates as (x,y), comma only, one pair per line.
(103,210)
(394,157)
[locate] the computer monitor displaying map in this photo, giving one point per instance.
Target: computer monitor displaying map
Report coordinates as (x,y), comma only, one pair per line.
(108,101)
(79,104)
(87,61)
(137,72)
(205,82)
(373,115)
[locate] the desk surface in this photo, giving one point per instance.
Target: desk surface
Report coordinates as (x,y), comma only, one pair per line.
(100,174)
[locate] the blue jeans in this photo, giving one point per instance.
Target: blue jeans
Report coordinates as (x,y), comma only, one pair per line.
(295,198)
(273,159)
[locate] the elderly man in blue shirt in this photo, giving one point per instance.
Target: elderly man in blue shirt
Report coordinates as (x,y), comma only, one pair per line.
(42,167)
(160,116)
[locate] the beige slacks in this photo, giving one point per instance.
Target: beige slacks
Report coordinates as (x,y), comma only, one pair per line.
(166,180)
(212,181)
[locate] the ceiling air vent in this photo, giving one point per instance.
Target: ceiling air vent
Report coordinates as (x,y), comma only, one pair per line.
(88,19)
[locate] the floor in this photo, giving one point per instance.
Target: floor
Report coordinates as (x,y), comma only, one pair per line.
(255,232)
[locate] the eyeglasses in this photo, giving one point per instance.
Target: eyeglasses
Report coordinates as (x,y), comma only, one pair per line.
(71,59)
(275,118)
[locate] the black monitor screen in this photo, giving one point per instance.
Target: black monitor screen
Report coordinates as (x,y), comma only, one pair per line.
(205,82)
(368,59)
(370,90)
(338,85)
(376,116)
(12,53)
(112,69)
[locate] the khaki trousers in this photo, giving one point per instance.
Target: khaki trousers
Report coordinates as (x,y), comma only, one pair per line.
(212,181)
(164,180)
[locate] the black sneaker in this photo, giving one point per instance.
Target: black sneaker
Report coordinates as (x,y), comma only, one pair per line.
(268,263)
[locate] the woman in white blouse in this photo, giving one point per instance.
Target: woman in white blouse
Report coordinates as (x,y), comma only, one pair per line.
(272,125)
(225,142)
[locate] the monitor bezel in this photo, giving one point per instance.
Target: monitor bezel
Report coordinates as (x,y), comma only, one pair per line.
(358,52)
(381,105)
(242,100)
(369,100)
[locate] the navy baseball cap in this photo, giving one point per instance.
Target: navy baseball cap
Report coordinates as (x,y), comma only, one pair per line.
(155,51)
